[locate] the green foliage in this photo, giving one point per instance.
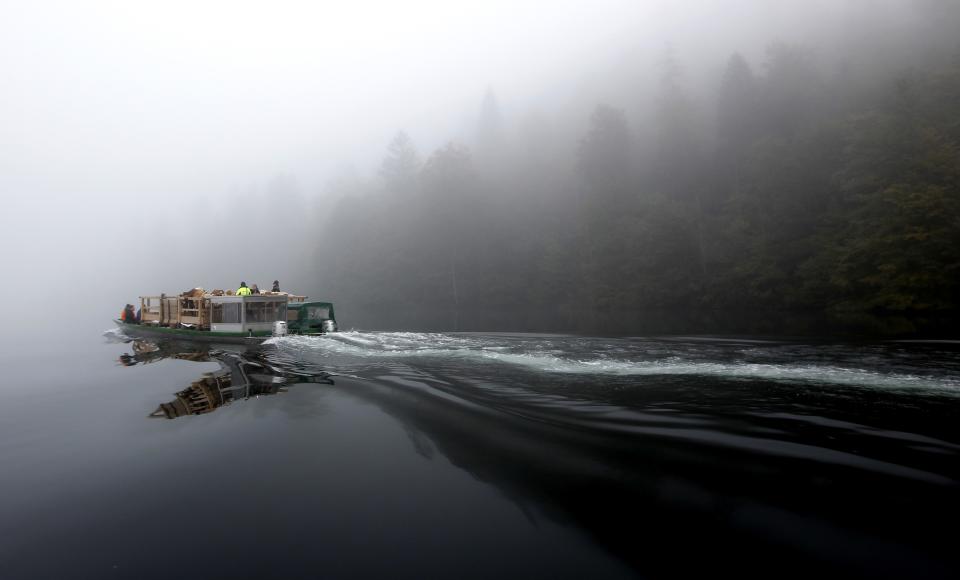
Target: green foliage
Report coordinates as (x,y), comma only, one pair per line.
(898,248)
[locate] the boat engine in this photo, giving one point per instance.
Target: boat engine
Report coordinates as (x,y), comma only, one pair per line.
(279,328)
(329,326)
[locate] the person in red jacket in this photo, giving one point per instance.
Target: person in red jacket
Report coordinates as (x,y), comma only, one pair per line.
(128,315)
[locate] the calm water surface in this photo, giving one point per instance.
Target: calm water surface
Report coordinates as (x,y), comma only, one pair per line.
(409,455)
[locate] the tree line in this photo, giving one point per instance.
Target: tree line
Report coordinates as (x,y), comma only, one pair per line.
(792,192)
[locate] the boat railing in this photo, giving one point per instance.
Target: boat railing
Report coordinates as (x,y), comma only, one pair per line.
(151,309)
(193,310)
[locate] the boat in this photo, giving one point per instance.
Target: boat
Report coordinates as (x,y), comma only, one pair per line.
(223,317)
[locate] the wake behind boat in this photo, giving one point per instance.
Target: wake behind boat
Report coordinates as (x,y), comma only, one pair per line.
(220,316)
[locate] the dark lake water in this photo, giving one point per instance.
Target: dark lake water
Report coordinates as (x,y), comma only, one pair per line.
(416,455)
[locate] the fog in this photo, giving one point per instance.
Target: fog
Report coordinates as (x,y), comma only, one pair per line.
(149,148)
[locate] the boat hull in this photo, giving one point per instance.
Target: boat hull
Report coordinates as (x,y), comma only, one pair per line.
(147,331)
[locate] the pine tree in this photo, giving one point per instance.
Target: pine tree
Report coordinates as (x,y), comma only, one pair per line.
(401,166)
(489,137)
(736,122)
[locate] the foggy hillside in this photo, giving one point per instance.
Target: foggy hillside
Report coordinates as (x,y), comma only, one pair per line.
(605,166)
(815,184)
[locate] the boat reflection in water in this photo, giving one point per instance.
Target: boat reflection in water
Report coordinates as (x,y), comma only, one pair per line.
(242,374)
(145,352)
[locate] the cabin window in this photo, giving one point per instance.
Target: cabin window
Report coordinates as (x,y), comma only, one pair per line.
(318,313)
(265,311)
(255,312)
(226,313)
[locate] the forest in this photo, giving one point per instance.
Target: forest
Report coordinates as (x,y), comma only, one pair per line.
(803,193)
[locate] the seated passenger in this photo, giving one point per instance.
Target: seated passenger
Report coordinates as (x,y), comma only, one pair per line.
(128,314)
(243,290)
(254,289)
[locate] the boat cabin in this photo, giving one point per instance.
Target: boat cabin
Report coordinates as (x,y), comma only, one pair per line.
(255,313)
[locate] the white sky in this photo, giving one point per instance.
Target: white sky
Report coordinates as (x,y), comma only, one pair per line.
(114,97)
(111,98)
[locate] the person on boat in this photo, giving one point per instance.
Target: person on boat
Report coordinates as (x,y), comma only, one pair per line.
(276,285)
(128,315)
(243,290)
(254,289)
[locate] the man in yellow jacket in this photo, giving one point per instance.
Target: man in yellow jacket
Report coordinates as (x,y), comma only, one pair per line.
(243,290)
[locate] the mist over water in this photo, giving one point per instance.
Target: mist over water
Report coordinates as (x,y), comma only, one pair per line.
(569,159)
(627,288)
